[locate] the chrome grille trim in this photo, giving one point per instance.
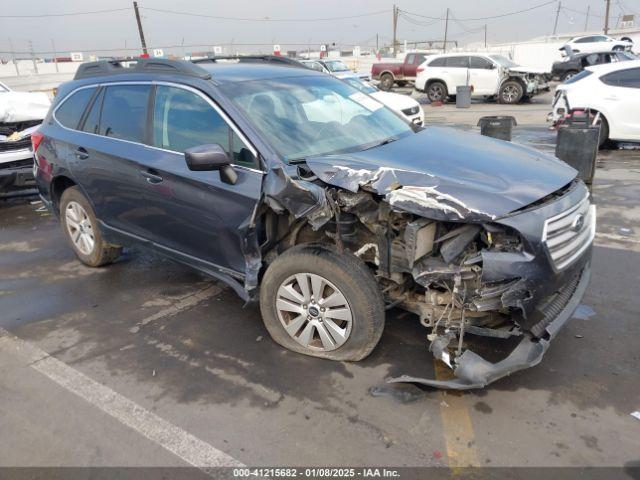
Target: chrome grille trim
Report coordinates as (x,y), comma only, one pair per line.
(564,238)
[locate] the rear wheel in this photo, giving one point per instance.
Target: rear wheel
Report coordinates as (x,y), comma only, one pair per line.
(568,75)
(386,82)
(511,92)
(81,228)
(618,48)
(320,303)
(437,92)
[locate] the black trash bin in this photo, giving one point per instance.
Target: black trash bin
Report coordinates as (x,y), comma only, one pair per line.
(578,146)
(497,126)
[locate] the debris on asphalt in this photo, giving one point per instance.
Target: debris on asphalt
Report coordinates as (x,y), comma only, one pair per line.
(259,339)
(404,393)
(579,336)
(444,404)
(153,374)
(583,312)
(636,414)
(626,231)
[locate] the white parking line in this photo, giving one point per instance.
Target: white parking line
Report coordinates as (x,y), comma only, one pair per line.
(170,437)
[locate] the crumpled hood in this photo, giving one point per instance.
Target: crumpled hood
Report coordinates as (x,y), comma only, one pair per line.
(446,174)
(520,69)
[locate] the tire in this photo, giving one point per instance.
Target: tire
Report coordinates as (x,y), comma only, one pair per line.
(568,75)
(437,92)
(77,216)
(604,132)
(344,274)
(511,92)
(386,82)
(618,48)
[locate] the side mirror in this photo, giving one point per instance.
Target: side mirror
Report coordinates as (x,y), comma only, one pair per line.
(211,157)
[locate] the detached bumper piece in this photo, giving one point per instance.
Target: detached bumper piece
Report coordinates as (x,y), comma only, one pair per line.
(473,371)
(16,177)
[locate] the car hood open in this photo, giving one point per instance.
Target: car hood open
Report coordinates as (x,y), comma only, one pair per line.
(446,174)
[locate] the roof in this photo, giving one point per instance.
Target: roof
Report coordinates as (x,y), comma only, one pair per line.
(612,67)
(241,72)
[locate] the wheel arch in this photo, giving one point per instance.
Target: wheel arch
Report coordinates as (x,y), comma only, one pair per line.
(59,184)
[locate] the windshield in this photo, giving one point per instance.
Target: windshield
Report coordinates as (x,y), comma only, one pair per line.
(336,66)
(627,56)
(504,61)
(363,86)
(315,115)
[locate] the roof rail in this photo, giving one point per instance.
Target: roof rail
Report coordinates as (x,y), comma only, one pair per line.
(275,59)
(142,65)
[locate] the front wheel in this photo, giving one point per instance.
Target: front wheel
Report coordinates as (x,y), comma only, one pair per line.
(569,74)
(81,228)
(320,303)
(511,92)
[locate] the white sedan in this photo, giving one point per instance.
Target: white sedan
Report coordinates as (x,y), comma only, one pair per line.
(610,92)
(596,43)
(402,104)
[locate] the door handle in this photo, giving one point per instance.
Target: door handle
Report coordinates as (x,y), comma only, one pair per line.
(81,153)
(151,178)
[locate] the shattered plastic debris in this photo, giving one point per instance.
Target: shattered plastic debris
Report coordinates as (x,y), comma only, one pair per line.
(403,393)
(636,415)
(583,312)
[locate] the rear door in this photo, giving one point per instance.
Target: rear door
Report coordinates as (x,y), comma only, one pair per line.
(483,76)
(623,102)
(456,71)
(196,214)
(107,153)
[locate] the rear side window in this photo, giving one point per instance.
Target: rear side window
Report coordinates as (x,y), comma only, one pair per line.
(578,77)
(629,78)
(438,62)
(92,120)
(458,62)
(124,112)
(71,110)
(183,119)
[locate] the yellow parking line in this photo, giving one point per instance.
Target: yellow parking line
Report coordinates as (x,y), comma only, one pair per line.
(456,422)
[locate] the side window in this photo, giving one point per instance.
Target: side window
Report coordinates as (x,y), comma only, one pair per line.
(71,110)
(92,120)
(479,62)
(585,40)
(629,78)
(591,59)
(410,59)
(124,112)
(458,62)
(438,62)
(183,119)
(420,58)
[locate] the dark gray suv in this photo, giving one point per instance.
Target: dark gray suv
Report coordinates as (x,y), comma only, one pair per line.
(298,190)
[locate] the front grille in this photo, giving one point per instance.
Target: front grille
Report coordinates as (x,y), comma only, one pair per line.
(569,234)
(16,145)
(411,111)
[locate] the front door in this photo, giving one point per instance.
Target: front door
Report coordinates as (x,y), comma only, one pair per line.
(195,213)
(483,76)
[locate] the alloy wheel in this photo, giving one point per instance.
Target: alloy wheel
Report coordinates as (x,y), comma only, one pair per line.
(79,227)
(314,312)
(436,92)
(510,93)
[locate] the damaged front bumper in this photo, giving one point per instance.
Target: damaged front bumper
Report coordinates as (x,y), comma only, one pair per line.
(473,371)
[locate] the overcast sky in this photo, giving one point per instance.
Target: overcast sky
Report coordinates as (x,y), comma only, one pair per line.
(114,30)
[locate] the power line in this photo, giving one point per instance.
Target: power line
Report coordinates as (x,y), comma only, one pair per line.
(490,17)
(68,14)
(264,19)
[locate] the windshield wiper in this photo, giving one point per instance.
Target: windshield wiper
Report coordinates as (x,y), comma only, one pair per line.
(386,141)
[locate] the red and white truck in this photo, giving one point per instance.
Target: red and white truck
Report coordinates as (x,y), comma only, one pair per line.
(389,74)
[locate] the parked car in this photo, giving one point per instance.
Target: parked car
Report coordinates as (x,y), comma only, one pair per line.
(391,73)
(574,64)
(610,92)
(488,75)
(337,68)
(402,104)
(596,43)
(324,221)
(20,115)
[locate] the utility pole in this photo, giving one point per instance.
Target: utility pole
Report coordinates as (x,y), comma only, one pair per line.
(446,31)
(395,28)
(606,17)
(377,44)
(144,44)
(586,20)
(55,55)
(485,35)
(555,25)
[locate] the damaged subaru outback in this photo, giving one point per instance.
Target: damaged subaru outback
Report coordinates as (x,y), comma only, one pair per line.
(301,192)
